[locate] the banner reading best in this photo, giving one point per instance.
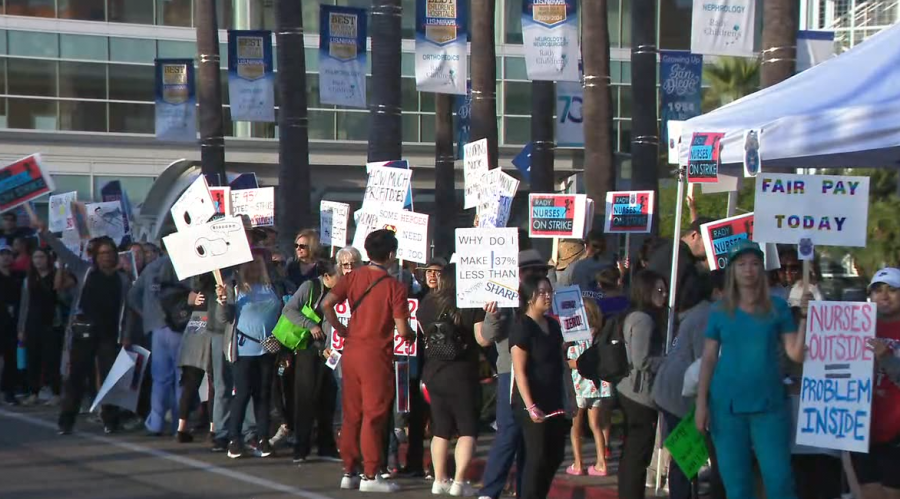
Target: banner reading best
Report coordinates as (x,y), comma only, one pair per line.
(441,52)
(342,56)
(550,32)
(176,101)
(251,77)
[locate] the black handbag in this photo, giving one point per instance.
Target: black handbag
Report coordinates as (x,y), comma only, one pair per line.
(443,340)
(82,328)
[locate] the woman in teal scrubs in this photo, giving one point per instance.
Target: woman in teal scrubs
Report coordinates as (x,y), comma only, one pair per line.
(741,398)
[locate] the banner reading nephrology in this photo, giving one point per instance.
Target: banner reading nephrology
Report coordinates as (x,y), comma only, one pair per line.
(723,27)
(550,32)
(342,56)
(176,100)
(251,77)
(680,73)
(441,50)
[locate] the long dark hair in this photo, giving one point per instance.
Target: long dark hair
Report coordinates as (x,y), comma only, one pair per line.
(642,290)
(444,295)
(527,288)
(33,275)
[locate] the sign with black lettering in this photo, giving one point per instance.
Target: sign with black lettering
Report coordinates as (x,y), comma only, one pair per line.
(488,267)
(23,181)
(721,235)
(703,159)
(629,211)
(557,215)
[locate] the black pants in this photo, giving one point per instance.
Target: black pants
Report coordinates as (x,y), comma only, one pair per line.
(83,356)
(545,445)
(640,435)
(314,396)
(44,349)
(191,379)
(252,380)
(9,379)
(283,388)
(818,476)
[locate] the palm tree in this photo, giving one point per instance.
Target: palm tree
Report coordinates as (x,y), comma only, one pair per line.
(779,55)
(444,176)
(484,77)
(293,204)
(599,161)
(728,80)
(209,95)
(385,126)
(644,127)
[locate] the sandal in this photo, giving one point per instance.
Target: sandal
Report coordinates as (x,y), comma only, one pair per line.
(572,470)
(593,471)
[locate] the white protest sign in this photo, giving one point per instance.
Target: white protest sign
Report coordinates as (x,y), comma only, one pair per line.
(387,188)
(258,204)
(60,212)
(569,306)
(123,383)
(195,206)
(106,219)
(401,347)
(475,165)
(827,209)
(837,388)
(488,267)
(496,193)
(411,230)
(333,218)
(211,246)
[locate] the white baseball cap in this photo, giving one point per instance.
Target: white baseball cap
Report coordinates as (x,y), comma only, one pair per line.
(887,275)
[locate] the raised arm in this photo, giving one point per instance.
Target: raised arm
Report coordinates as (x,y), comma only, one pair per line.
(73,261)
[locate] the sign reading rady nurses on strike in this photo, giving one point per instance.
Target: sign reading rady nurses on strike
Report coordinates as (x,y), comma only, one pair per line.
(629,211)
(558,215)
(829,210)
(721,235)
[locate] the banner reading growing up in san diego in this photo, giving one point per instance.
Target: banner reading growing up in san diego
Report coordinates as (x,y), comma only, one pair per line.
(680,74)
(342,56)
(441,52)
(176,100)
(550,32)
(251,79)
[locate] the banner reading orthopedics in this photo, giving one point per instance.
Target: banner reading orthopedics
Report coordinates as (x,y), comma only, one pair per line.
(251,78)
(680,74)
(723,27)
(441,49)
(550,32)
(342,56)
(176,100)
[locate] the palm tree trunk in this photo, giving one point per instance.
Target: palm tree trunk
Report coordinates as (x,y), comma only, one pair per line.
(293,204)
(644,127)
(484,77)
(599,161)
(444,176)
(779,56)
(209,95)
(386,125)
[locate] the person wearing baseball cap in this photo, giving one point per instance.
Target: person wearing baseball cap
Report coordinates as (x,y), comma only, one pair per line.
(877,471)
(432,272)
(691,254)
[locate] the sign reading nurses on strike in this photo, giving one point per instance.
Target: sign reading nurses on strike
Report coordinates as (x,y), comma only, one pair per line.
(721,235)
(629,211)
(401,346)
(23,181)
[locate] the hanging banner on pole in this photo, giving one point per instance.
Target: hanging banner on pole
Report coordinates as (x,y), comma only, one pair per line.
(251,76)
(23,181)
(723,27)
(333,218)
(703,162)
(441,46)
(680,73)
(629,212)
(176,100)
(550,33)
(342,56)
(569,113)
(721,235)
(463,108)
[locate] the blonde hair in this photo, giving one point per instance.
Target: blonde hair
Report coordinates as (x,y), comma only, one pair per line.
(594,316)
(244,284)
(731,295)
(312,238)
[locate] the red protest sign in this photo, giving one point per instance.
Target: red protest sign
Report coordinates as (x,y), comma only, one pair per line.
(23,181)
(721,235)
(703,161)
(629,211)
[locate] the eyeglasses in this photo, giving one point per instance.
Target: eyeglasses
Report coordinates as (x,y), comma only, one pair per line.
(543,292)
(301,246)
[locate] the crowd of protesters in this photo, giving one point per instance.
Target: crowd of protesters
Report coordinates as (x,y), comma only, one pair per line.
(744,327)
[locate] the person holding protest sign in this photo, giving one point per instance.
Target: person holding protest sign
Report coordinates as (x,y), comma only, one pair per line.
(40,328)
(379,304)
(741,397)
(691,253)
(878,471)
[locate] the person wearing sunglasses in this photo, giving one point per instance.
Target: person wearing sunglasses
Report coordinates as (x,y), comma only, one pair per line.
(348,259)
(302,267)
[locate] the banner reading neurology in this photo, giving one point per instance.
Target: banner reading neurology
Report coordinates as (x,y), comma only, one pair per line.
(837,387)
(342,56)
(680,74)
(721,235)
(488,267)
(830,210)
(723,27)
(176,100)
(251,77)
(441,49)
(550,33)
(629,211)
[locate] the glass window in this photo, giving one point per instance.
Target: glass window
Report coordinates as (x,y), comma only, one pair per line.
(4,122)
(410,125)
(131,118)
(352,126)
(32,114)
(408,64)
(514,21)
(32,77)
(223,55)
(2,41)
(132,50)
(92,48)
(223,82)
(128,82)
(312,60)
(427,102)
(518,131)
(518,98)
(312,91)
(85,10)
(33,44)
(82,80)
(625,136)
(130,11)
(625,101)
(82,116)
(176,50)
(515,68)
(321,125)
(174,12)
(408,22)
(224,14)
(136,187)
(410,96)
(78,183)
(626,72)
(2,76)
(428,129)
(626,23)
(613,23)
(36,8)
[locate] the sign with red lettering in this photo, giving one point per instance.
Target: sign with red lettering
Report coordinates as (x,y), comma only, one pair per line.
(703,159)
(401,347)
(23,181)
(721,235)
(629,211)
(568,305)
(558,215)
(837,388)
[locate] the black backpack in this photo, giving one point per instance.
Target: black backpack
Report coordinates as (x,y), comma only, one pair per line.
(607,359)
(443,340)
(173,299)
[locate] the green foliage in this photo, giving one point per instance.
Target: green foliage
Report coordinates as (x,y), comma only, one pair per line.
(883,235)
(714,206)
(728,80)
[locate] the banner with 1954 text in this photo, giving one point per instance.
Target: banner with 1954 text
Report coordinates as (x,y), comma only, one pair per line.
(550,32)
(680,74)
(176,100)
(342,56)
(441,49)
(251,77)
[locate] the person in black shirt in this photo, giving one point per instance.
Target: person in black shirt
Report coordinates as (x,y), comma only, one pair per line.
(535,344)
(11,231)
(10,292)
(40,326)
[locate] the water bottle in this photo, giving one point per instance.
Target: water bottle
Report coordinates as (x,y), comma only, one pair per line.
(21,359)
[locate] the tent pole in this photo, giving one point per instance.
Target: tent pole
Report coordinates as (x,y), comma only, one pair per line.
(732,203)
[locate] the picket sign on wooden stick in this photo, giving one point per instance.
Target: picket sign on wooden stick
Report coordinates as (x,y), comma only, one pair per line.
(217,274)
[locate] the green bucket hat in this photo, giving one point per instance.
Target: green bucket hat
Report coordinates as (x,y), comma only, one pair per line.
(744,246)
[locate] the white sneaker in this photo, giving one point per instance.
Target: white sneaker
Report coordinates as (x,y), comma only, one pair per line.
(350,482)
(378,484)
(441,487)
(281,435)
(462,489)
(45,394)
(485,497)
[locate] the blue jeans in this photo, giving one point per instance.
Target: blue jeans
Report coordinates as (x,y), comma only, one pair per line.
(166,390)
(508,445)
(223,386)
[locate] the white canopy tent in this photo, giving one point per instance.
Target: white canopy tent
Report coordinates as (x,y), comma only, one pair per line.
(844,112)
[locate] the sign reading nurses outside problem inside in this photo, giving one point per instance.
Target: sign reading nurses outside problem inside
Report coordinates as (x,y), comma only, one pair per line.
(629,211)
(703,159)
